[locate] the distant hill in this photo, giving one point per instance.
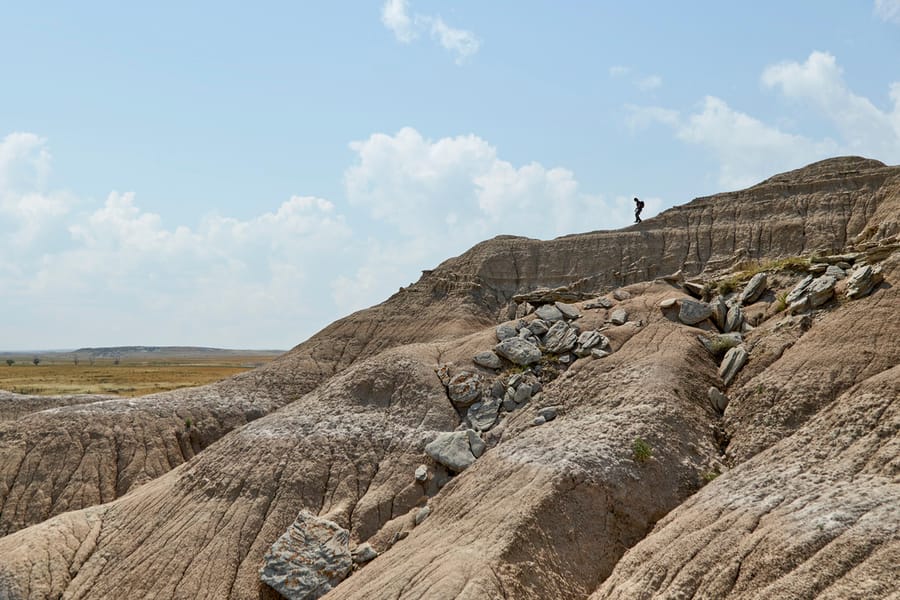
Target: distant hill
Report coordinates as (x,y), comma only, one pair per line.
(168,351)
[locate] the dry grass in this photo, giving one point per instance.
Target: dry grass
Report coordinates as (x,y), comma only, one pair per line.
(128,378)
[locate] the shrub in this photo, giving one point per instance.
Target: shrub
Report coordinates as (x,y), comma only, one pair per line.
(709,475)
(188,423)
(10,362)
(641,450)
(781,302)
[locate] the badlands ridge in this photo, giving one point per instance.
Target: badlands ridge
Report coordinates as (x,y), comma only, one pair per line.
(705,405)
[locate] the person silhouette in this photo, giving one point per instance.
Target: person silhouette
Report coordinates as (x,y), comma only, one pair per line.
(638,207)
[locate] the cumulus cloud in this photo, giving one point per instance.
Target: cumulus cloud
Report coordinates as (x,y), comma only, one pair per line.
(819,83)
(888,10)
(395,16)
(748,149)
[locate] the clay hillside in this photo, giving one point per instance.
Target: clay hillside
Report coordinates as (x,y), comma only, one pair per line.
(705,405)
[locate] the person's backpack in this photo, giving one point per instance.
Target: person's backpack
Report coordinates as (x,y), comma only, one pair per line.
(640,204)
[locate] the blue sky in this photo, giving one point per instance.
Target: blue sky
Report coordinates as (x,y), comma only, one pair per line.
(239,176)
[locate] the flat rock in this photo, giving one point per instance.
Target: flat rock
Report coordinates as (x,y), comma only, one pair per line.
(799,290)
(364,553)
(309,559)
(836,272)
(421,473)
(421,515)
(668,303)
(692,312)
(694,288)
(476,444)
(569,311)
(599,303)
(518,351)
(719,312)
(538,327)
(452,449)
(549,413)
(598,353)
(621,294)
(548,312)
(488,360)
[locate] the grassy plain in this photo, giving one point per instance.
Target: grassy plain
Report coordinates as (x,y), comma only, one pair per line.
(130,377)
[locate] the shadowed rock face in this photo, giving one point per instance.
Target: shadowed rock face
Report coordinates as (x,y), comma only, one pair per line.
(337,427)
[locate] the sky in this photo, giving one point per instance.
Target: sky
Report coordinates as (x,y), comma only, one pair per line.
(239,175)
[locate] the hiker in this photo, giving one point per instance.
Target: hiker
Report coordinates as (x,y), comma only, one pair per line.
(638,207)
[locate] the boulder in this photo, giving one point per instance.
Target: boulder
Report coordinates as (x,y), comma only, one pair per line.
(799,290)
(561,338)
(619,316)
(506,330)
(529,337)
(364,553)
(735,319)
(522,395)
(309,559)
(589,340)
(548,413)
(523,309)
(836,272)
(498,389)
(569,311)
(719,312)
(487,359)
(421,473)
(464,388)
(863,280)
(482,415)
(718,400)
(621,294)
(538,327)
(754,288)
(692,312)
(821,290)
(421,515)
(598,353)
(549,312)
(452,449)
(518,351)
(732,363)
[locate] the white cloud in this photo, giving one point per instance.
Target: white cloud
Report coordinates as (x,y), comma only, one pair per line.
(819,83)
(888,10)
(651,82)
(748,150)
(644,83)
(395,16)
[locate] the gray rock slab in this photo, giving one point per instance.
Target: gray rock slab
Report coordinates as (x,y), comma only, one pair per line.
(799,290)
(619,316)
(548,312)
(487,359)
(599,303)
(549,413)
(482,415)
(421,515)
(560,338)
(421,473)
(309,559)
(518,351)
(569,311)
(692,312)
(476,444)
(821,290)
(598,353)
(732,363)
(538,327)
(754,288)
(863,280)
(452,449)
(719,312)
(506,330)
(735,319)
(523,394)
(364,553)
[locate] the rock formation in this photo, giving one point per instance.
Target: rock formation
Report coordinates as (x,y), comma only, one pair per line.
(531,419)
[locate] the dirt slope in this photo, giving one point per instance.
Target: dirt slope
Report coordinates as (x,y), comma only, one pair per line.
(564,509)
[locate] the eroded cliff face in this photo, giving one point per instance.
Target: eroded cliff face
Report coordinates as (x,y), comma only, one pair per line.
(340,423)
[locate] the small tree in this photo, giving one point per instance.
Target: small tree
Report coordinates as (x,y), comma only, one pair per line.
(10,362)
(36,361)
